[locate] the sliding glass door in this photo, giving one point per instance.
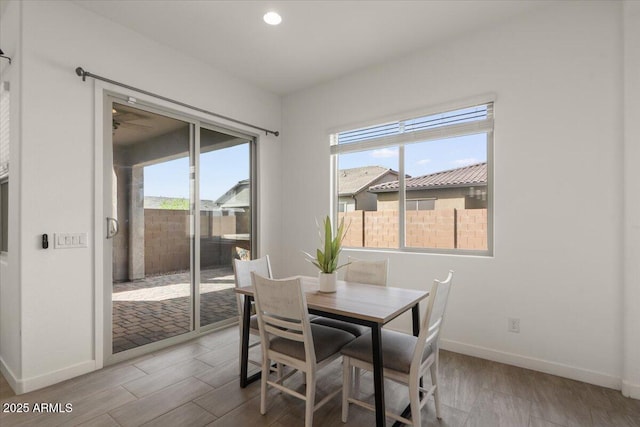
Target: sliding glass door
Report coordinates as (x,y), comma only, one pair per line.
(166,282)
(225,220)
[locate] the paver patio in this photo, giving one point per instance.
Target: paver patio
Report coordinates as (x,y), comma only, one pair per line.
(159,307)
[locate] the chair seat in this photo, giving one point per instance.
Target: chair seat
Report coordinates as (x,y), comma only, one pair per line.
(397,350)
(326,342)
(352,328)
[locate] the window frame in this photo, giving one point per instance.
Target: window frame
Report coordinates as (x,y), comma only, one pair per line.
(5,135)
(400,140)
(4,216)
(421,199)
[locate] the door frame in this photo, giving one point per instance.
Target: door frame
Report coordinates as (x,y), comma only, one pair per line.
(104,95)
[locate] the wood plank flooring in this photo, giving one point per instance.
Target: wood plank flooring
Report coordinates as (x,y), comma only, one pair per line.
(196,384)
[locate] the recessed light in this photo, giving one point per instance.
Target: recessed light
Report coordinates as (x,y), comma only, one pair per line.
(272,18)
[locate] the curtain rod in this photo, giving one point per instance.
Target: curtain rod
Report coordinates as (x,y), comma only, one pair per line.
(84,74)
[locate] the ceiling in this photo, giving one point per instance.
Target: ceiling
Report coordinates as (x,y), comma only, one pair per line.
(131,125)
(317,40)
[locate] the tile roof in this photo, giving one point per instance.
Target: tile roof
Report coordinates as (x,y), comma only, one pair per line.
(475,174)
(354,180)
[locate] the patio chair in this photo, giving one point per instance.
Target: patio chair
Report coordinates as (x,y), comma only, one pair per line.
(406,358)
(288,338)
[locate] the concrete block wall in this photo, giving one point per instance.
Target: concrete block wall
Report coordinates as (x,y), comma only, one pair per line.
(381,229)
(430,229)
(167,234)
(472,229)
(166,243)
(166,240)
(354,223)
(211,225)
(439,228)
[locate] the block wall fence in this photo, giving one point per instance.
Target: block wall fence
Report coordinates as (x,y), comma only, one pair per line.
(166,234)
(166,240)
(440,228)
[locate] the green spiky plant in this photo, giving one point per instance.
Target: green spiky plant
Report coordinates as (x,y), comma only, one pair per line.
(327,260)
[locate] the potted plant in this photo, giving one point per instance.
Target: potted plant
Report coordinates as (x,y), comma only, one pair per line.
(327,260)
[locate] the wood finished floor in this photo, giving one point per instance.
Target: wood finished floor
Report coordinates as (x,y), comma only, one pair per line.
(196,384)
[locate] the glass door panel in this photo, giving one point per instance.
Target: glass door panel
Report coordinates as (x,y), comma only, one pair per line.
(151,253)
(225,221)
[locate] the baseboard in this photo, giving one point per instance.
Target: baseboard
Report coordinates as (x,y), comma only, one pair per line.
(630,390)
(553,368)
(8,375)
(34,383)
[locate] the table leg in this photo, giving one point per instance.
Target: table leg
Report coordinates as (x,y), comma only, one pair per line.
(244,362)
(378,374)
(415,317)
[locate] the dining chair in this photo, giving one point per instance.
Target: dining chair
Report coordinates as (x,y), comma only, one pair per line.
(360,271)
(369,272)
(288,338)
(242,271)
(406,358)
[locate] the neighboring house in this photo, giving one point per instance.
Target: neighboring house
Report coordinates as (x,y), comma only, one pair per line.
(234,205)
(236,199)
(353,184)
(461,188)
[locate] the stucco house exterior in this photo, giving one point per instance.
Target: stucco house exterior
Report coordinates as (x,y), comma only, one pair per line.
(460,188)
(353,185)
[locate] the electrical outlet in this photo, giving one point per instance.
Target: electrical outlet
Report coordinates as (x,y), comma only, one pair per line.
(514,325)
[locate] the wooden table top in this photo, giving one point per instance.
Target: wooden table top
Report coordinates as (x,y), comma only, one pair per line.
(367,302)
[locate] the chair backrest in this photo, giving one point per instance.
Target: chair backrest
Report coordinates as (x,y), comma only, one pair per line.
(242,271)
(432,322)
(369,272)
(282,312)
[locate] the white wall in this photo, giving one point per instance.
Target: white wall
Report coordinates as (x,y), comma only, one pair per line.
(631,373)
(57,176)
(558,198)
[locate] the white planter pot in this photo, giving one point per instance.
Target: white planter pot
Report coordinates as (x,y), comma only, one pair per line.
(327,282)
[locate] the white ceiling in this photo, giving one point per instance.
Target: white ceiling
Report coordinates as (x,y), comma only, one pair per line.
(317,40)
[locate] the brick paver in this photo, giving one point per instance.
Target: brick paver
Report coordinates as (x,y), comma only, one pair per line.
(159,307)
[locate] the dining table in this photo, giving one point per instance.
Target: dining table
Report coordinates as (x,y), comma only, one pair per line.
(363,304)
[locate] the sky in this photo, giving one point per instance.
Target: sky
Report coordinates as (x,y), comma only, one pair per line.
(219,171)
(222,169)
(422,158)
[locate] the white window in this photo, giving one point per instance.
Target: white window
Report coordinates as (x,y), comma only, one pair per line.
(421,204)
(435,195)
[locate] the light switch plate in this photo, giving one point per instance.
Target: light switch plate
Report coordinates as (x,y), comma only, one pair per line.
(70,240)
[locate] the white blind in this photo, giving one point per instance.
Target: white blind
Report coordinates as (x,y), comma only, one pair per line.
(4,129)
(464,121)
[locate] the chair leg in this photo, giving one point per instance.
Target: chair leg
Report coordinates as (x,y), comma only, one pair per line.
(279,369)
(311,399)
(356,382)
(414,401)
(240,351)
(346,386)
(266,369)
(436,391)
